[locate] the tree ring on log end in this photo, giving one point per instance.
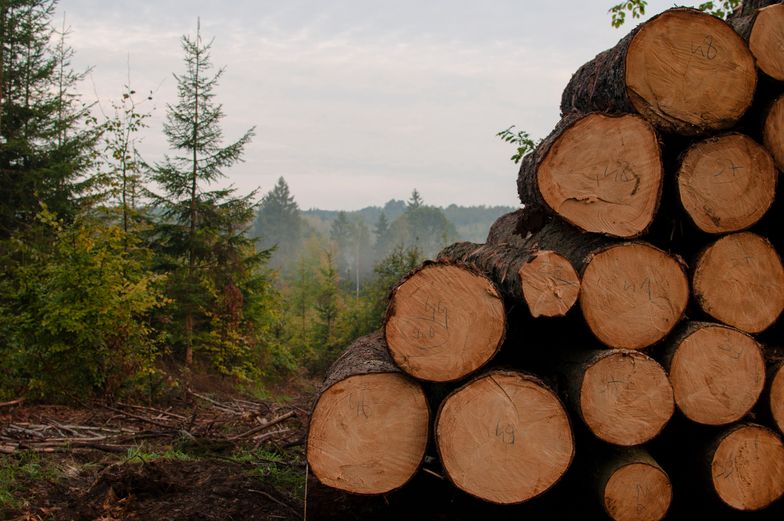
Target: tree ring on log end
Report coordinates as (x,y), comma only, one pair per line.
(633,294)
(368,433)
(504,437)
(717,374)
(767,41)
(550,284)
(626,398)
(689,72)
(638,492)
(444,322)
(777,397)
(739,280)
(747,469)
(604,174)
(727,183)
(773,131)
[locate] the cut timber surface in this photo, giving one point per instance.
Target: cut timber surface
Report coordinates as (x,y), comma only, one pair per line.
(717,372)
(747,467)
(546,281)
(624,397)
(369,427)
(504,437)
(773,131)
(727,183)
(685,71)
(444,321)
(633,294)
(634,487)
(764,31)
(739,280)
(600,173)
(777,395)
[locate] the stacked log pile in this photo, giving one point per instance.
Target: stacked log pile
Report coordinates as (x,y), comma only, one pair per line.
(621,332)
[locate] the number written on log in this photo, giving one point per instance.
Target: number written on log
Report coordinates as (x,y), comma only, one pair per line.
(644,287)
(431,329)
(505,432)
(618,175)
(726,175)
(705,48)
(360,406)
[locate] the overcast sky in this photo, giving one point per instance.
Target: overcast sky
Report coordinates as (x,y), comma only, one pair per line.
(356,102)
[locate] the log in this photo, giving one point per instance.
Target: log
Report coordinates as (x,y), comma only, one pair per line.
(685,71)
(761,28)
(511,228)
(504,437)
(717,372)
(369,427)
(599,172)
(747,467)
(623,396)
(739,280)
(726,183)
(444,321)
(545,281)
(773,131)
(633,487)
(631,293)
(776,395)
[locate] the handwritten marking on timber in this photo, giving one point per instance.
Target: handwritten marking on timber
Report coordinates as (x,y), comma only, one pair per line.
(706,49)
(505,432)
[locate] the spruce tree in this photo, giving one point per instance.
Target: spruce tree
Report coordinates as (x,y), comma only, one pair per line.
(201,231)
(279,225)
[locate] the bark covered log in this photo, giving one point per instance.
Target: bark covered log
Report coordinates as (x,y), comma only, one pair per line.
(369,427)
(759,24)
(598,172)
(739,280)
(685,71)
(726,183)
(444,321)
(717,372)
(504,437)
(632,486)
(747,467)
(623,397)
(546,282)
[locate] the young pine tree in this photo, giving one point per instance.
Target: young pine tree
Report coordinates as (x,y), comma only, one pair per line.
(201,232)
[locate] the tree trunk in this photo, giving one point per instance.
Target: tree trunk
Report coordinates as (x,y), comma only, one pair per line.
(739,280)
(369,427)
(504,437)
(544,280)
(624,397)
(444,321)
(747,467)
(726,183)
(717,372)
(598,172)
(631,294)
(633,487)
(773,131)
(761,28)
(685,71)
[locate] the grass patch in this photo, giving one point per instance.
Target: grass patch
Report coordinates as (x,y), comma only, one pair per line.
(283,470)
(171,454)
(17,472)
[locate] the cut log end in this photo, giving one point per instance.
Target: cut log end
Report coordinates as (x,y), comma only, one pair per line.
(766,41)
(632,295)
(688,72)
(504,438)
(739,280)
(773,131)
(777,397)
(444,322)
(550,284)
(747,468)
(626,398)
(727,184)
(638,492)
(717,374)
(604,174)
(368,433)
